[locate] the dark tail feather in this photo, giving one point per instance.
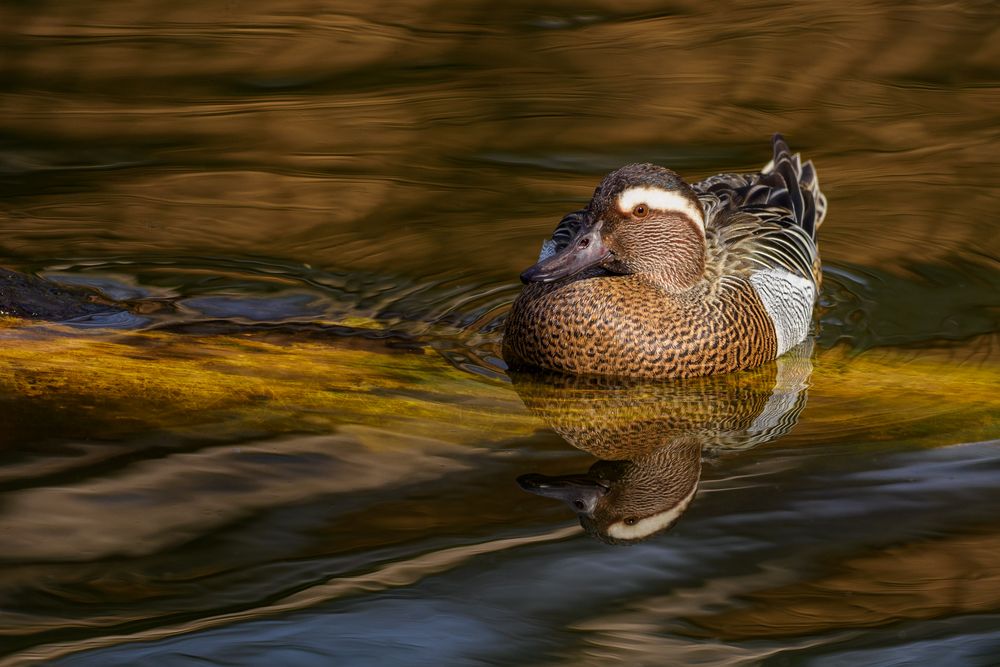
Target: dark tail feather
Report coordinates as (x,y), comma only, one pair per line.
(791,184)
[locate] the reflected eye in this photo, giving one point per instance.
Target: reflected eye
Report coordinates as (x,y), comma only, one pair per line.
(640,211)
(631,521)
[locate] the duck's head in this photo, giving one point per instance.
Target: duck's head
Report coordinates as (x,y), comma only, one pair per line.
(642,219)
(624,502)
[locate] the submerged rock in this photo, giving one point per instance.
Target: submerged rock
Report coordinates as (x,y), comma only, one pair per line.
(26,296)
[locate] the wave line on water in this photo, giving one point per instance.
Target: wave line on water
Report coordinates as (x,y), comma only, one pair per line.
(392,575)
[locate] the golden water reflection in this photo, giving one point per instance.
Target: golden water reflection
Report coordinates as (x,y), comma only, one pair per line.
(379,139)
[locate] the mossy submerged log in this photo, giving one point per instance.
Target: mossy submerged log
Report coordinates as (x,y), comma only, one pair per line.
(129,381)
(84,381)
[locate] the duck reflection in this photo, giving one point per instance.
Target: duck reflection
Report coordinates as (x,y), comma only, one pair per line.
(651,437)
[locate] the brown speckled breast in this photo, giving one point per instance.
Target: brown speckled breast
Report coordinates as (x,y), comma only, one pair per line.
(626,326)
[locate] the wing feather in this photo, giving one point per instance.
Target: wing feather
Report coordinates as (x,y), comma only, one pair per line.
(766,220)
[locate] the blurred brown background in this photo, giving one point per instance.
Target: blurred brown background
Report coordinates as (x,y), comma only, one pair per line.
(419,137)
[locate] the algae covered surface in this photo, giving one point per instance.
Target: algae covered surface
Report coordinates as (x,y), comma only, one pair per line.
(149,380)
(170,381)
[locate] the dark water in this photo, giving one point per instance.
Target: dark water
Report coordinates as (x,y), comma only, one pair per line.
(301,448)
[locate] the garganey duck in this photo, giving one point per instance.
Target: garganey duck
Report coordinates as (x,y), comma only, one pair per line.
(657,278)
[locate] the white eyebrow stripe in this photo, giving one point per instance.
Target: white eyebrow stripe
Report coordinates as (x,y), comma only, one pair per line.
(651,524)
(660,199)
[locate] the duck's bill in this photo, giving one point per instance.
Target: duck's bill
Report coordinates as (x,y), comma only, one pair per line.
(578,491)
(585,250)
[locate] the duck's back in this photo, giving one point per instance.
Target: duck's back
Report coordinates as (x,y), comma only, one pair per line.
(763,227)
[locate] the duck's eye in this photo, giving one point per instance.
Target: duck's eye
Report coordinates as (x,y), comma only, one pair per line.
(640,211)
(631,521)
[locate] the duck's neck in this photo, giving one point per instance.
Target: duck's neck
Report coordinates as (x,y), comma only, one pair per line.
(684,267)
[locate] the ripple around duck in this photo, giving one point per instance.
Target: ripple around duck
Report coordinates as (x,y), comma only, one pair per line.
(461,317)
(914,304)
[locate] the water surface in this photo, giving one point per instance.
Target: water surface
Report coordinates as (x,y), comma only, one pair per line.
(301,447)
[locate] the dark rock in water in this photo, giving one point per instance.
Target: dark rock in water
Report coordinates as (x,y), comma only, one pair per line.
(27,296)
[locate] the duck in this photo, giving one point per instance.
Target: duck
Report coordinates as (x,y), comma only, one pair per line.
(651,438)
(658,278)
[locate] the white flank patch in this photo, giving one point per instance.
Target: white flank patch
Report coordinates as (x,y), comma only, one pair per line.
(788,299)
(651,524)
(661,200)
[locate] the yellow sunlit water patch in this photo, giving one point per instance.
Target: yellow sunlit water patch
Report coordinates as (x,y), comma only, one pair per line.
(158,377)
